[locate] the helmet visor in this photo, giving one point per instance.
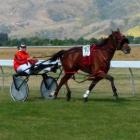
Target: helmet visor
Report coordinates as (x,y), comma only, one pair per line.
(23,46)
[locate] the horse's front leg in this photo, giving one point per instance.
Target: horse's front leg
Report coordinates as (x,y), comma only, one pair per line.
(92,85)
(111,79)
(63,80)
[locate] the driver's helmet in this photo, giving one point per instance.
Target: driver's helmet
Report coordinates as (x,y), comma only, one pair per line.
(22,46)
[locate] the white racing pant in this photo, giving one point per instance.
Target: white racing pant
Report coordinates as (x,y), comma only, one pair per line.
(25,68)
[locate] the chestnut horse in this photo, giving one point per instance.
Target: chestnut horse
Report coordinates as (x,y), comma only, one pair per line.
(100,57)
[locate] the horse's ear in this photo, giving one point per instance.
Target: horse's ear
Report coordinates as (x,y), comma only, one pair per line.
(112,31)
(118,29)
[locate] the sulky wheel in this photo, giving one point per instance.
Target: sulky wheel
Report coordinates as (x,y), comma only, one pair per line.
(48,87)
(19,89)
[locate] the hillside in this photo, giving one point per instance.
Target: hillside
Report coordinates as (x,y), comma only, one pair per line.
(68,18)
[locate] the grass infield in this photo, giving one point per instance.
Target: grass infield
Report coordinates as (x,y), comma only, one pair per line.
(101,118)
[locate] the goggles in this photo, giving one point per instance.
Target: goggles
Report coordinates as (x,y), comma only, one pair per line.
(23,46)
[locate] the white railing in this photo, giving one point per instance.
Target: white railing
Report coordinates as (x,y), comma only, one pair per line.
(114,64)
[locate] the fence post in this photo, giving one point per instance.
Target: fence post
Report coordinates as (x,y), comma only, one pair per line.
(132,81)
(2,71)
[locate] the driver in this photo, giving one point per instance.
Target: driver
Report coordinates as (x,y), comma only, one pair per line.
(24,63)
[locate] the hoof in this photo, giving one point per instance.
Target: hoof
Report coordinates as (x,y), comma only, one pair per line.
(55,97)
(68,97)
(85,99)
(115,97)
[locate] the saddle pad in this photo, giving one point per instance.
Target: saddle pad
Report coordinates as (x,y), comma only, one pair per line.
(86,50)
(86,54)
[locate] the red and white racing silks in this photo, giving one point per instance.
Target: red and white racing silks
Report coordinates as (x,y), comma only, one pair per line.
(20,58)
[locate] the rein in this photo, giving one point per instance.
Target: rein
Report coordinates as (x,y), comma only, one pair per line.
(115,42)
(41,56)
(85,79)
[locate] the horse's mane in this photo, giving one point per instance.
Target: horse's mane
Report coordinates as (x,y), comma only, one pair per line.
(75,48)
(102,42)
(61,52)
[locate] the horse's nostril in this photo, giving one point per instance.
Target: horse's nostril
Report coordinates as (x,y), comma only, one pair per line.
(126,50)
(129,49)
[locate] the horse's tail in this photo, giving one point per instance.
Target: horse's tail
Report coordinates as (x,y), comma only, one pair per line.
(57,55)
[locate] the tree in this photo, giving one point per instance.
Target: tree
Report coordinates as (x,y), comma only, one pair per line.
(3,38)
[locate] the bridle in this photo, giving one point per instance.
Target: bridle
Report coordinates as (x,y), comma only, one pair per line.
(119,42)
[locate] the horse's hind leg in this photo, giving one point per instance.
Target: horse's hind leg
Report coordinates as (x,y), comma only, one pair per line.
(68,96)
(92,85)
(63,80)
(111,79)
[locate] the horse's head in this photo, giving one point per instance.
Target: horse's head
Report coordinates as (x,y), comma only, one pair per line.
(120,41)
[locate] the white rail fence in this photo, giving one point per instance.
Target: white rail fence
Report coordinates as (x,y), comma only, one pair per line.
(114,64)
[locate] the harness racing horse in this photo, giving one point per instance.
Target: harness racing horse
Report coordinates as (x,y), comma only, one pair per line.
(100,57)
